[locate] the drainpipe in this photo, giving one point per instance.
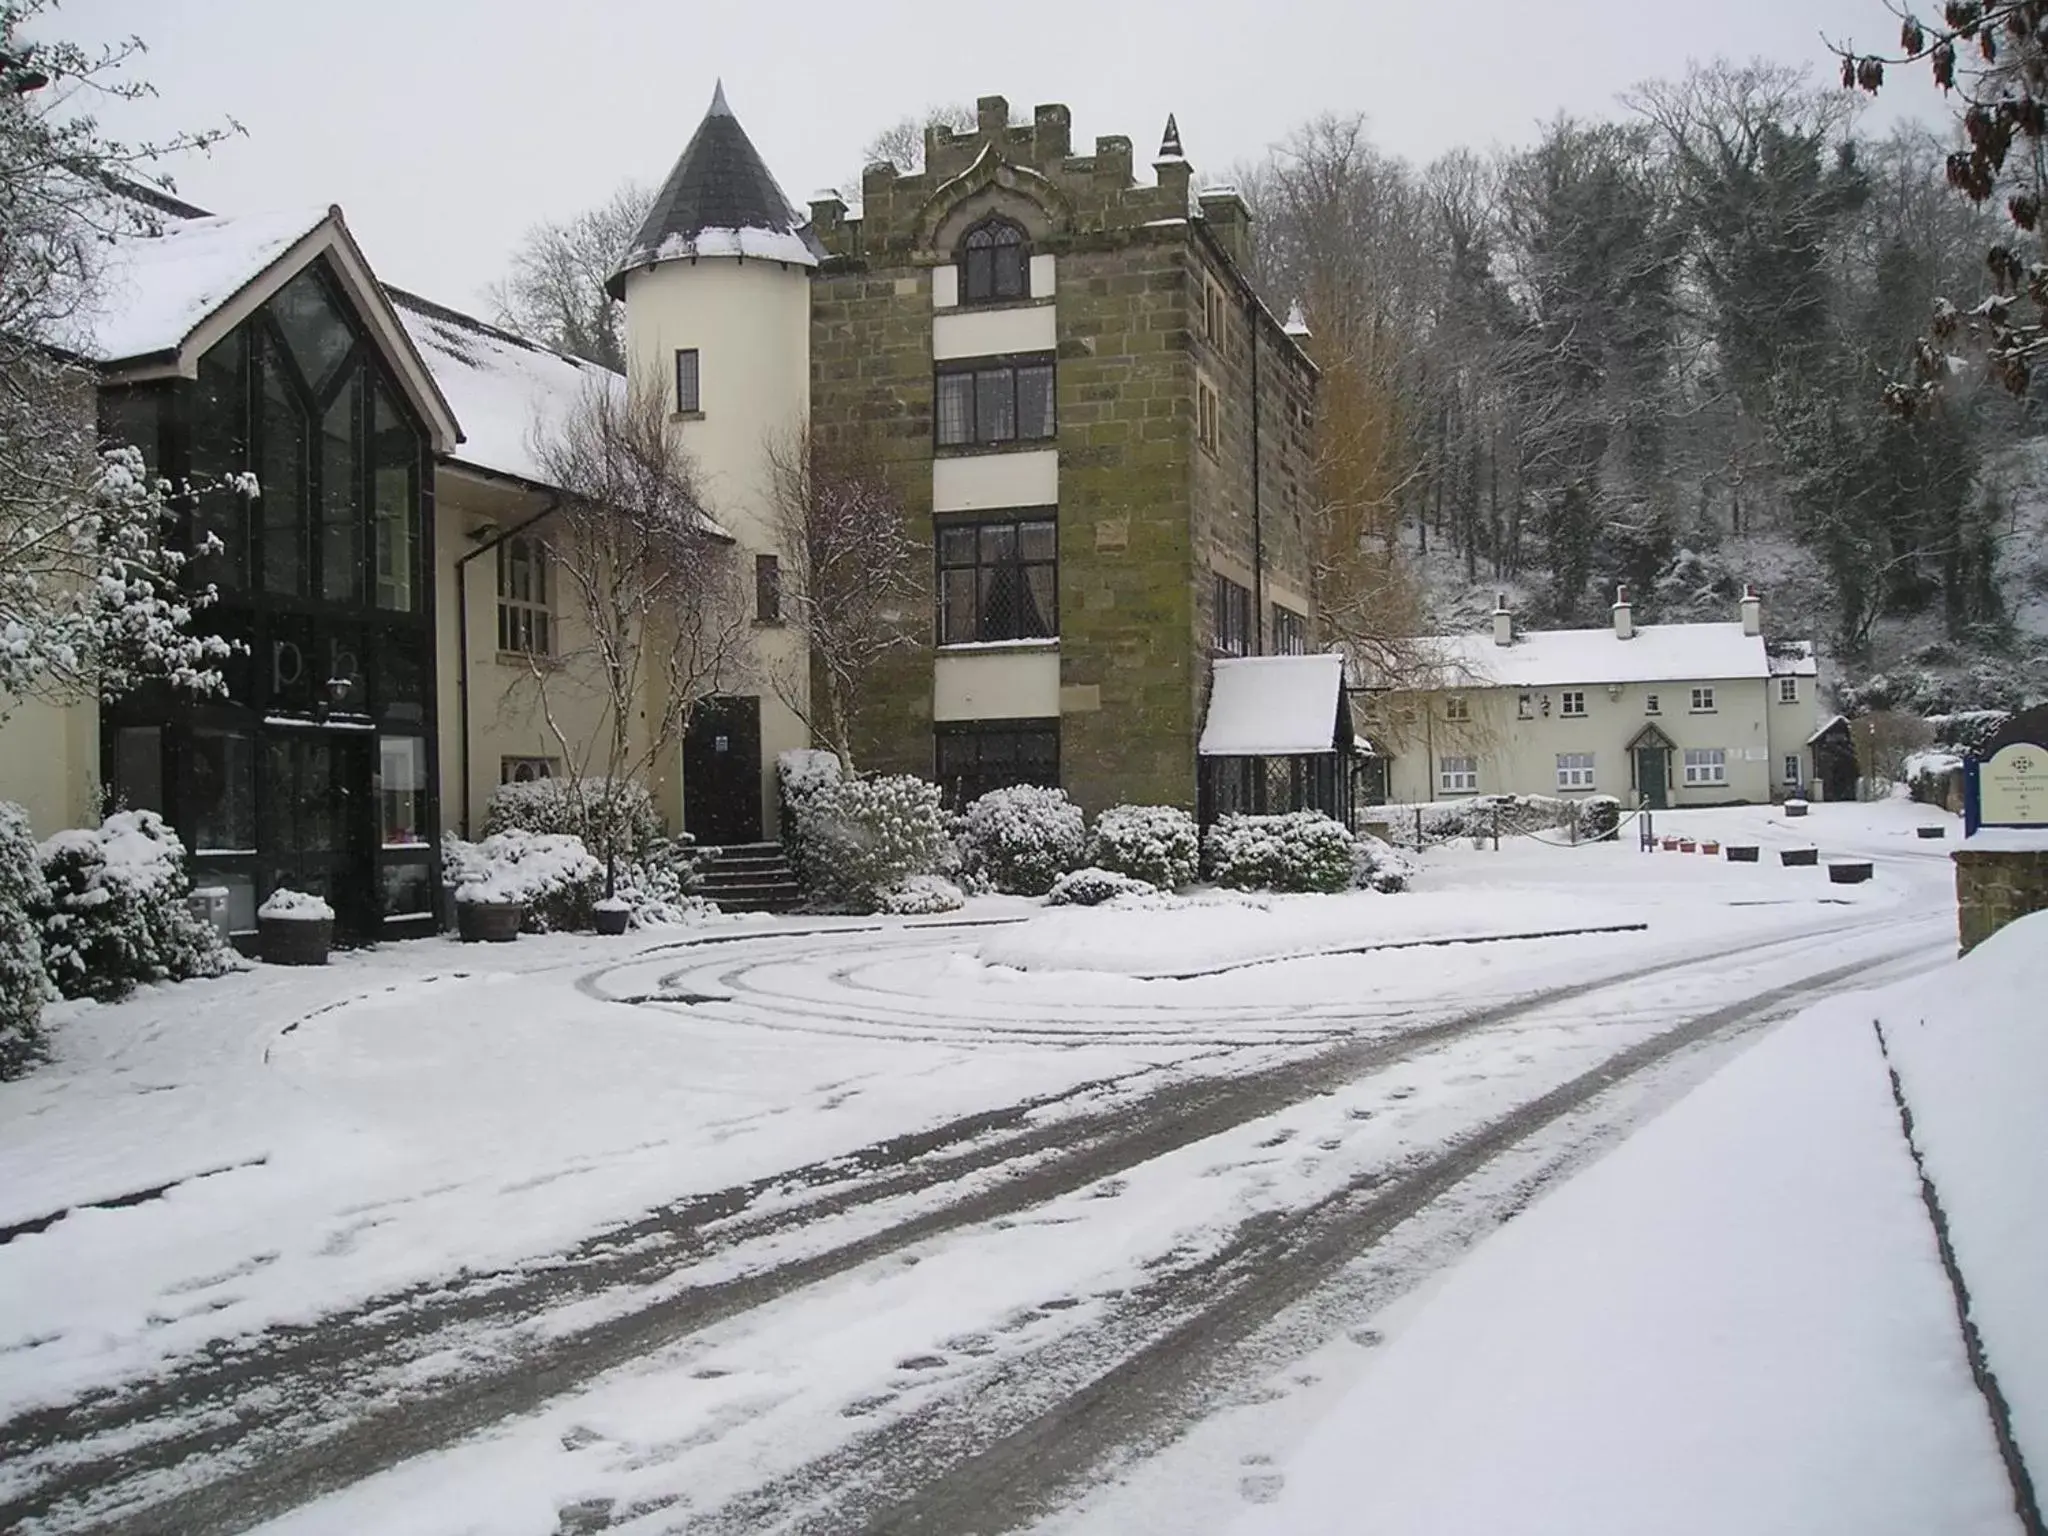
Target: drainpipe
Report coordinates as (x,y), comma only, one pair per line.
(1251,312)
(462,641)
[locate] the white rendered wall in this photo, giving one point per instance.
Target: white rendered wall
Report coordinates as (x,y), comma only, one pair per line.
(985,482)
(965,333)
(750,323)
(1011,680)
(50,762)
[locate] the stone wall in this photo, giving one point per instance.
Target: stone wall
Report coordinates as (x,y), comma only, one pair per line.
(1996,888)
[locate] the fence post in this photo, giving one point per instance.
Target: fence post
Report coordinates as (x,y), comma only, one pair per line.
(1418,826)
(1496,829)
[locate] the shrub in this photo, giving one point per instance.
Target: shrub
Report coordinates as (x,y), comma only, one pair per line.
(1153,843)
(920,895)
(1599,819)
(552,874)
(656,886)
(114,912)
(800,777)
(1023,838)
(24,984)
(862,836)
(601,812)
(1298,851)
(1091,887)
(1967,730)
(1380,866)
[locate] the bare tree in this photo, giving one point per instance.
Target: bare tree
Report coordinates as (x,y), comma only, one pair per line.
(658,612)
(848,581)
(902,142)
(555,292)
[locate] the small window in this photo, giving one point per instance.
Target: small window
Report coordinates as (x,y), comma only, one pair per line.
(1290,632)
(971,760)
(1703,701)
(525,619)
(1788,690)
(1525,707)
(1208,416)
(995,263)
(402,790)
(689,395)
(1233,618)
(998,580)
(1574,770)
(995,403)
(1572,703)
(1455,708)
(1215,321)
(1792,768)
(767,589)
(524,770)
(1457,775)
(1706,765)
(1650,705)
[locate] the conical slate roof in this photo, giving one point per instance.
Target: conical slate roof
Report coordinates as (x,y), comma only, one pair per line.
(720,200)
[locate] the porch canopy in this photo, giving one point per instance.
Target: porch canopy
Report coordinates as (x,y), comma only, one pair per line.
(1278,737)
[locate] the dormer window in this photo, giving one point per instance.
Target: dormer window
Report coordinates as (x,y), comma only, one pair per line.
(994,263)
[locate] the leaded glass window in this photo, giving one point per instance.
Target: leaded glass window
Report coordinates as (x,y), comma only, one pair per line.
(312,327)
(395,464)
(998,580)
(281,475)
(995,263)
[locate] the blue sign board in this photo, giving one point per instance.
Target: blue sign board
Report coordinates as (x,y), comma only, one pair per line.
(2005,781)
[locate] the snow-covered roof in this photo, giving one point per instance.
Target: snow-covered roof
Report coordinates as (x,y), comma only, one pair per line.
(1655,653)
(1274,706)
(1831,722)
(719,200)
(155,289)
(505,390)
(1792,658)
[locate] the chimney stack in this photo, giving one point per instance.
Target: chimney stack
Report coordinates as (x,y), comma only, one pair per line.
(1503,621)
(1624,617)
(1752,612)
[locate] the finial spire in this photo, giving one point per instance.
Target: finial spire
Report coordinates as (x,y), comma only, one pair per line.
(718,104)
(1169,146)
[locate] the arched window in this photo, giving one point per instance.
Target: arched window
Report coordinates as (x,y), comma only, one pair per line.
(994,262)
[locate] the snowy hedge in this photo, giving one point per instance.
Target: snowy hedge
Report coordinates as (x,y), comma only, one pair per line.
(1021,839)
(922,895)
(1379,866)
(598,811)
(1967,730)
(1599,819)
(800,777)
(1153,843)
(655,886)
(863,836)
(551,874)
(1091,887)
(24,985)
(1296,851)
(114,912)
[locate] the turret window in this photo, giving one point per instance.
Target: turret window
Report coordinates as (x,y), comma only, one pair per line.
(689,397)
(995,263)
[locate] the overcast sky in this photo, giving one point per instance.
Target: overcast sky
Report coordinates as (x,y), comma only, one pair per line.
(445,127)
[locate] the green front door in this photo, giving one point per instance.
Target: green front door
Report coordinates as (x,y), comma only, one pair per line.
(1652,775)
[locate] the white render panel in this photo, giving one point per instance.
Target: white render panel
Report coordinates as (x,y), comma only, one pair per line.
(1004,683)
(992,332)
(983,482)
(1042,269)
(945,287)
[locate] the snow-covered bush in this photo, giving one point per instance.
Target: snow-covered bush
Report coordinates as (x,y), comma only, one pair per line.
(24,985)
(1021,839)
(1599,819)
(115,911)
(921,895)
(285,905)
(1380,866)
(603,813)
(862,836)
(1153,843)
(800,777)
(1091,887)
(1297,851)
(655,887)
(551,874)
(1968,729)
(1933,777)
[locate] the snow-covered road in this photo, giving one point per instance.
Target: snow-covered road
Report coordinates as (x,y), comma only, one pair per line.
(853,1226)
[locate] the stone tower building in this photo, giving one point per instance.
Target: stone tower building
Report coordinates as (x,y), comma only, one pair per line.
(1101,430)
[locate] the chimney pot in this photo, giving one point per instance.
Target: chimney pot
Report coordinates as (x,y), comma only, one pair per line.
(1503,622)
(1752,611)
(1624,616)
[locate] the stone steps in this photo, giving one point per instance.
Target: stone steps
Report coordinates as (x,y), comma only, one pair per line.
(748,877)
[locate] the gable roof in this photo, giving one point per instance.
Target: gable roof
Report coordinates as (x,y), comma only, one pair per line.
(505,389)
(719,200)
(168,295)
(1655,653)
(1276,706)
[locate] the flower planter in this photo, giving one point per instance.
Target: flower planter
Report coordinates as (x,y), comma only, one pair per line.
(294,940)
(1930,831)
(488,922)
(1795,808)
(611,921)
(1710,849)
(1799,856)
(1742,853)
(1687,845)
(1671,845)
(1848,874)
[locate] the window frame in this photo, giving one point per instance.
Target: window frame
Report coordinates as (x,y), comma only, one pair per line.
(1231,617)
(522,616)
(1290,631)
(768,589)
(1208,417)
(956,778)
(509,767)
(1565,699)
(1703,702)
(1788,690)
(1652,704)
(995,226)
(1577,770)
(1704,767)
(1795,769)
(689,402)
(1525,706)
(1457,709)
(1460,780)
(1016,519)
(1016,365)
